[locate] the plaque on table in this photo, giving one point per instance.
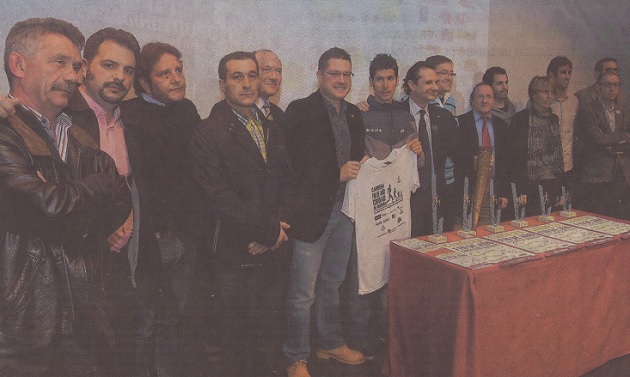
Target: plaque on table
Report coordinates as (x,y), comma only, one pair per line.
(519,211)
(467,220)
(546,211)
(495,212)
(567,205)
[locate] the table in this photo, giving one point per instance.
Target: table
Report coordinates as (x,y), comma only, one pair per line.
(554,315)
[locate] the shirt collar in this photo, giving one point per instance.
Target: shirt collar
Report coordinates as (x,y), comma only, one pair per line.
(242,118)
(260,103)
(98,110)
(478,116)
(414,108)
(150,99)
(439,101)
(333,109)
(62,118)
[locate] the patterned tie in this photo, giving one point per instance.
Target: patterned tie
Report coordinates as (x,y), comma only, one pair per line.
(256,131)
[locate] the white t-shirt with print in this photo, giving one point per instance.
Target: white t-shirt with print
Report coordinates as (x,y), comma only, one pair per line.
(378,201)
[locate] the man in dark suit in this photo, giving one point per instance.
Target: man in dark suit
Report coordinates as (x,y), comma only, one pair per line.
(239,162)
(325,140)
(437,131)
(603,131)
(158,126)
(480,128)
(270,75)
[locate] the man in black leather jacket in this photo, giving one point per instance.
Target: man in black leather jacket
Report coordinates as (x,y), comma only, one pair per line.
(58,195)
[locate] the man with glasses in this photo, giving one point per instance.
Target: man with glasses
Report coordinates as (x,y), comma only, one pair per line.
(587,95)
(443,67)
(325,140)
(603,128)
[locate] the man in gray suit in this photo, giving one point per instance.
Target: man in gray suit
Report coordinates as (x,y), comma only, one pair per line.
(603,127)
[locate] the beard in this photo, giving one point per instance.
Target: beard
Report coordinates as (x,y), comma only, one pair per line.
(112,99)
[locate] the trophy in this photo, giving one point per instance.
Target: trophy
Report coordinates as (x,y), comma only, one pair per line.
(519,211)
(546,212)
(484,170)
(438,225)
(466,231)
(495,214)
(567,206)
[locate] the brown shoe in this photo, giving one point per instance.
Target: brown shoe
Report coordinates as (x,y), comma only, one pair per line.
(342,354)
(298,369)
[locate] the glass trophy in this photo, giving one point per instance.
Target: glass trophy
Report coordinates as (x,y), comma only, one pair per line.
(546,211)
(438,224)
(467,220)
(495,212)
(519,211)
(567,205)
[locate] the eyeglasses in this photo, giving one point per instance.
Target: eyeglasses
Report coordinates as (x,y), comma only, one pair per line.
(446,73)
(337,74)
(609,85)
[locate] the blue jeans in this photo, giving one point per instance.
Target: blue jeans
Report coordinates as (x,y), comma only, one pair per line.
(363,307)
(317,271)
(156,335)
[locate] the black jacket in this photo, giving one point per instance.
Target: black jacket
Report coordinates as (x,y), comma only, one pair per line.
(311,145)
(444,140)
(158,138)
(244,197)
(51,213)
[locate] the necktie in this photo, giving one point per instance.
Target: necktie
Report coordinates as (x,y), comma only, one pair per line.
(486,143)
(256,131)
(267,110)
(423,135)
(485,135)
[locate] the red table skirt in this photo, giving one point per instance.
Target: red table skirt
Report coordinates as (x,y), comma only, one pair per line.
(557,315)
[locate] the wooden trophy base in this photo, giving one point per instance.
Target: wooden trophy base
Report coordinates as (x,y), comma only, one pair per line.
(495,228)
(546,219)
(437,238)
(568,214)
(467,233)
(519,223)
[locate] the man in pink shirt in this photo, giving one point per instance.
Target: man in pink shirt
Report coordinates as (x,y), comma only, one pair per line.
(109,65)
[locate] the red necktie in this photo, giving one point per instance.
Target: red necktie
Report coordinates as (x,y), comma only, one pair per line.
(486,143)
(485,135)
